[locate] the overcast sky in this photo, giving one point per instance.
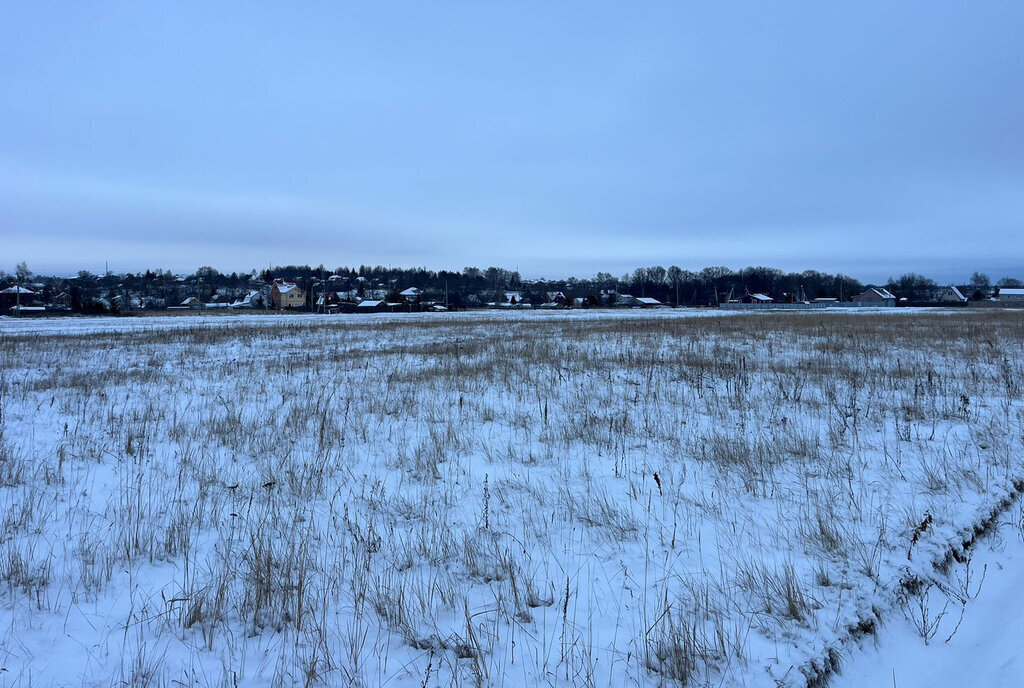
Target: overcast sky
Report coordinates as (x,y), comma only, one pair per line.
(557,138)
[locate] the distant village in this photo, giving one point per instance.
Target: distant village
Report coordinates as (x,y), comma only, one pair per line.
(381,289)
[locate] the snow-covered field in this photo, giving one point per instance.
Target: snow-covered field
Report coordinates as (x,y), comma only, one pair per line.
(639,498)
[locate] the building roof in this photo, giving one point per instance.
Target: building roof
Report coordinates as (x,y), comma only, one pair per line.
(17,290)
(647,300)
(1011,291)
(247,300)
(956,292)
(880,292)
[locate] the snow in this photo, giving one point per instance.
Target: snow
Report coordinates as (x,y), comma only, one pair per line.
(622,498)
(85,325)
(986,648)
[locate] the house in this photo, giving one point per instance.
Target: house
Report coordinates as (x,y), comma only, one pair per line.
(1014,295)
(756,298)
(557,297)
(251,300)
(412,294)
(510,299)
(952,295)
(875,296)
(61,301)
(554,300)
(286,294)
(16,295)
(340,301)
(648,302)
(372,306)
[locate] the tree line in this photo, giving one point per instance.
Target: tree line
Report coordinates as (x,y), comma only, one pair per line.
(472,286)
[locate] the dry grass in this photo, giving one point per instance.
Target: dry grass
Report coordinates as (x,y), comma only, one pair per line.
(493,500)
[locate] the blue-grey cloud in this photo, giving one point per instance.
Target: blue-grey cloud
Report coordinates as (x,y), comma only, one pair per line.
(534,135)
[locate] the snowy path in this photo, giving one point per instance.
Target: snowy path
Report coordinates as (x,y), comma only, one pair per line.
(988,648)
